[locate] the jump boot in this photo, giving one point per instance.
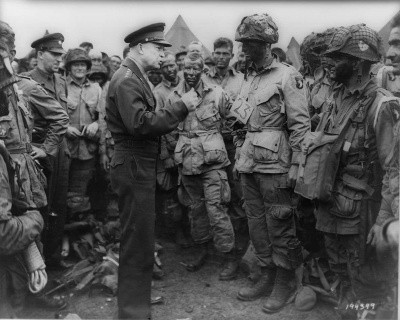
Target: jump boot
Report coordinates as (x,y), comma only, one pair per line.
(199,259)
(284,289)
(231,266)
(261,288)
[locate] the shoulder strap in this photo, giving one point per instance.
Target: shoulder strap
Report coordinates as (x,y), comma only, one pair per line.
(384,78)
(380,103)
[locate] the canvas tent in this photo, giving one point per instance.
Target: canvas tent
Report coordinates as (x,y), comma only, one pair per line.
(180,36)
(293,53)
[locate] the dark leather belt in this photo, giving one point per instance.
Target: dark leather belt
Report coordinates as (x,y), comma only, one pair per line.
(131,143)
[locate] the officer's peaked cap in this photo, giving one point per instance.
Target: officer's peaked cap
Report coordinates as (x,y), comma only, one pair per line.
(51,42)
(151,33)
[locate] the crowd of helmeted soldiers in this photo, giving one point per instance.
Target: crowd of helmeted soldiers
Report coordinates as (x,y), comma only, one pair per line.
(301,164)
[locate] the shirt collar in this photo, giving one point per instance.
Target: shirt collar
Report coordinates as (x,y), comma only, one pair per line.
(274,64)
(71,80)
(201,88)
(358,90)
(44,74)
(362,88)
(214,74)
(141,69)
(169,84)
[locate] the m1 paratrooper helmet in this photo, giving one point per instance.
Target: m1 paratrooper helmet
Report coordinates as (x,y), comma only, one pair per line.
(257,27)
(358,41)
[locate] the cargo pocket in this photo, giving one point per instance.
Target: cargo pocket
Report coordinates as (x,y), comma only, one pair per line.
(346,201)
(225,188)
(281,212)
(266,147)
(178,154)
(117,160)
(71,106)
(5,127)
(208,115)
(269,101)
(214,149)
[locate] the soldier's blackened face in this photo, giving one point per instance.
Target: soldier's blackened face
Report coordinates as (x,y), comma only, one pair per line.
(154,77)
(169,69)
(393,53)
(192,72)
(341,69)
(255,50)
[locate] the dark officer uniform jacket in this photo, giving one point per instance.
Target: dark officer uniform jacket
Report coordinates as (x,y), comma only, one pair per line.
(136,126)
(130,88)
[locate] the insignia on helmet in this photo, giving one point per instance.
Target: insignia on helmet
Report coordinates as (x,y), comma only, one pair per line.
(299,83)
(362,45)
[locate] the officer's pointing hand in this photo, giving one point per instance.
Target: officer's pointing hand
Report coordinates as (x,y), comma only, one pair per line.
(190,99)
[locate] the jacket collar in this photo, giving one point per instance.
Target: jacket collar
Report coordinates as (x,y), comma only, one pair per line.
(137,69)
(212,72)
(169,84)
(201,88)
(274,64)
(360,90)
(70,80)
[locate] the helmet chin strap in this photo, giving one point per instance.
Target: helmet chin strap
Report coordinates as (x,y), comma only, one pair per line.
(6,61)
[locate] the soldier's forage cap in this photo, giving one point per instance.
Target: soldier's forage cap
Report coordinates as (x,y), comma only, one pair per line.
(151,33)
(258,27)
(51,42)
(358,41)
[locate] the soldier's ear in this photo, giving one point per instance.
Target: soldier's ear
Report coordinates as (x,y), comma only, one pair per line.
(39,54)
(12,55)
(140,47)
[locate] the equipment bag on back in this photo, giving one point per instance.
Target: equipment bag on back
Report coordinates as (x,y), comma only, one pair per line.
(321,154)
(314,181)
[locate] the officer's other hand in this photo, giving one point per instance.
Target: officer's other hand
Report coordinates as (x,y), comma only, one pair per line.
(105,162)
(73,133)
(90,130)
(292,175)
(373,235)
(169,163)
(38,153)
(190,99)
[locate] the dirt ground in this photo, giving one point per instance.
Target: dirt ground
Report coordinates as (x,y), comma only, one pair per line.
(187,296)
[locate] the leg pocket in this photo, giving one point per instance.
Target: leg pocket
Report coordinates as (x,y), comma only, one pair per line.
(346,201)
(281,212)
(225,189)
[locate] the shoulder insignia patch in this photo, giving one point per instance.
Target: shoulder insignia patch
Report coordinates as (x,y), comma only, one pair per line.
(299,82)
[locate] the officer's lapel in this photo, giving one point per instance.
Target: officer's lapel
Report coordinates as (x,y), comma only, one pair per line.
(44,82)
(135,69)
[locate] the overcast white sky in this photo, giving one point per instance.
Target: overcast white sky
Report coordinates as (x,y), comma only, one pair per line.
(106,23)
